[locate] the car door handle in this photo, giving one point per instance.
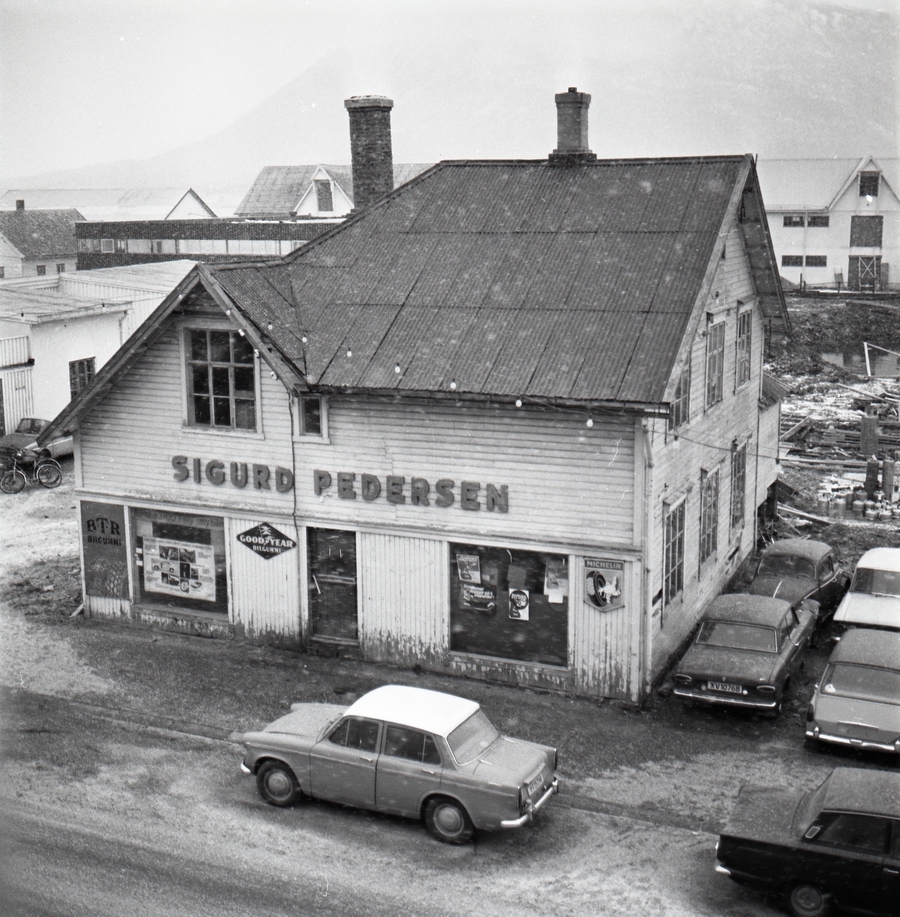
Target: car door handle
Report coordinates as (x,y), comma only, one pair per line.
(425,770)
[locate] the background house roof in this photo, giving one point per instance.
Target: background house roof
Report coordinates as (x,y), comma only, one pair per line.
(504,279)
(813,184)
(278,189)
(41,233)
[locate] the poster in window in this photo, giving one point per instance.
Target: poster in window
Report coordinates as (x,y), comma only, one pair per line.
(478,598)
(556,580)
(469,568)
(519,604)
(604,583)
(179,568)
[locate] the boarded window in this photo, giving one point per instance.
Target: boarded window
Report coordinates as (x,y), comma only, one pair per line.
(818,221)
(793,219)
(865,232)
(868,184)
(816,261)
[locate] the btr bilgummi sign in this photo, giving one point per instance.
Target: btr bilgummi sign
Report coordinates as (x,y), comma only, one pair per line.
(105,550)
(266,540)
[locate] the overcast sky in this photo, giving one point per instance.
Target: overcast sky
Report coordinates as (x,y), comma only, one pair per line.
(88,81)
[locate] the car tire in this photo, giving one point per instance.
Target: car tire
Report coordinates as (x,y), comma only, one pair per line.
(448,821)
(277,784)
(806,900)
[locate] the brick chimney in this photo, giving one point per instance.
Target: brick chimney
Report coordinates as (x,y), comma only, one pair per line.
(20,205)
(370,148)
(572,128)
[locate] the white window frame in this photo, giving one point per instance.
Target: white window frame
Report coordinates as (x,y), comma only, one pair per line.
(738,484)
(709,513)
(715,364)
(322,433)
(673,546)
(743,348)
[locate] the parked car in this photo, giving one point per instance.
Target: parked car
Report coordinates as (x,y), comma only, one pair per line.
(405,751)
(857,699)
(746,649)
(873,599)
(837,846)
(799,569)
(24,440)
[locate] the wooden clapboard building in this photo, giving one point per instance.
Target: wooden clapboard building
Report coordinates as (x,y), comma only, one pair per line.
(507,421)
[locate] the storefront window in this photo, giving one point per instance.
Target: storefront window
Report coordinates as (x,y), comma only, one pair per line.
(180,561)
(509,604)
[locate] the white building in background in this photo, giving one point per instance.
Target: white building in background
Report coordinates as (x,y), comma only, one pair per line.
(835,223)
(57,331)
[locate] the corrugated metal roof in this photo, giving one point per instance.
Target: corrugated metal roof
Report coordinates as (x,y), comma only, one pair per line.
(41,233)
(515,279)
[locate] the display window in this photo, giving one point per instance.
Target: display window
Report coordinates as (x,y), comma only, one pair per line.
(180,561)
(508,603)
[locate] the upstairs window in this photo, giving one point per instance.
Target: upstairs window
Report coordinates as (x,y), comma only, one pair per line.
(709,513)
(792,260)
(107,246)
(41,270)
(61,268)
(743,348)
(818,221)
(817,261)
(324,200)
(793,219)
(312,415)
(80,374)
(681,405)
(868,184)
(221,380)
(715,363)
(673,553)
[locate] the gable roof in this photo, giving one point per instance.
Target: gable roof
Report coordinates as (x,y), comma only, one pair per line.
(815,184)
(565,285)
(278,189)
(41,233)
(509,279)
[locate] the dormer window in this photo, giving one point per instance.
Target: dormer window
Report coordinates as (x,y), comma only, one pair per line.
(324,199)
(868,184)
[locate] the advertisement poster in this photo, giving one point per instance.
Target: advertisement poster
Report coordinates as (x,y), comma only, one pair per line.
(469,568)
(478,598)
(519,604)
(604,583)
(105,552)
(556,580)
(179,568)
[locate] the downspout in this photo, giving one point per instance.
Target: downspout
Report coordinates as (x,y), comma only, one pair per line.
(646,572)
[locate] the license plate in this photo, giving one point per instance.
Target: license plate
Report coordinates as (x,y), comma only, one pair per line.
(722,686)
(535,784)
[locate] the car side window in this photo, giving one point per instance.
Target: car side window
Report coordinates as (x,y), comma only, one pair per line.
(895,841)
(355,732)
(858,832)
(401,742)
(826,570)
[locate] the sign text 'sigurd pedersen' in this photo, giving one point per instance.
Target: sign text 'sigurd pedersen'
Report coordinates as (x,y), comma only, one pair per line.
(417,492)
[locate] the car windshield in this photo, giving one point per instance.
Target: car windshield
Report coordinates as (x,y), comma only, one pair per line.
(876,582)
(472,737)
(786,565)
(30,425)
(738,636)
(862,682)
(809,808)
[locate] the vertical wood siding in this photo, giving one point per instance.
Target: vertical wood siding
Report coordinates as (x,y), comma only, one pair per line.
(14,350)
(265,593)
(404,599)
(606,646)
(18,401)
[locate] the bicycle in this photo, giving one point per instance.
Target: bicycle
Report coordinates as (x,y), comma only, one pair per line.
(45,471)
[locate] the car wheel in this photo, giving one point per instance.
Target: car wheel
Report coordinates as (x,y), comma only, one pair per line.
(448,821)
(277,784)
(809,901)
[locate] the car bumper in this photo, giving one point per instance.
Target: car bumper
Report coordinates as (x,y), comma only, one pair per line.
(722,870)
(848,741)
(245,770)
(552,790)
(731,700)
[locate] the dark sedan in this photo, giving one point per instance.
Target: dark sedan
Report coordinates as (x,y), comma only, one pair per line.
(798,569)
(837,846)
(746,649)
